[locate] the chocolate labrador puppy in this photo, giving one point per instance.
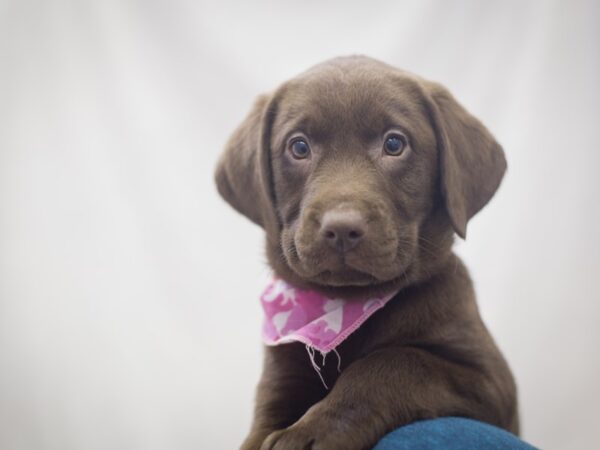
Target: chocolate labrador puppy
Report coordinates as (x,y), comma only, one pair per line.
(360,174)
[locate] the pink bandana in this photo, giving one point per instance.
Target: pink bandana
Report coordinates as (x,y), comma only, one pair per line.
(321,323)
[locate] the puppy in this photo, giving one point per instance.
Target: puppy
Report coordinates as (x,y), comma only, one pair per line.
(360,174)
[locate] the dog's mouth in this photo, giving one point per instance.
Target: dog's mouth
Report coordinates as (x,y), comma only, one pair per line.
(345,270)
(351,283)
(348,277)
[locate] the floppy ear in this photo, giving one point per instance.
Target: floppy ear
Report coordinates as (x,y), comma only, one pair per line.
(243,174)
(472,163)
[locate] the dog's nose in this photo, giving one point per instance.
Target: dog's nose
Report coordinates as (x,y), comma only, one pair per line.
(343,229)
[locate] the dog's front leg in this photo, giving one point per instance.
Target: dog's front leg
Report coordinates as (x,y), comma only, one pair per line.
(380,392)
(288,387)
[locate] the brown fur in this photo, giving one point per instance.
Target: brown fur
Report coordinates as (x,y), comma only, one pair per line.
(427,353)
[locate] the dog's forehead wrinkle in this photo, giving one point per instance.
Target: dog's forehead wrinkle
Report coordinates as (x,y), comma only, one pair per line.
(365,107)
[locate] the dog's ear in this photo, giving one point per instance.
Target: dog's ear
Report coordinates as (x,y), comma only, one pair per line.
(243,174)
(472,163)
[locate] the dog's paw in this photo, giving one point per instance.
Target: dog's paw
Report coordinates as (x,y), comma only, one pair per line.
(254,440)
(288,439)
(309,436)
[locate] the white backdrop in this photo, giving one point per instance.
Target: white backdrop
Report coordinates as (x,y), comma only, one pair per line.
(129,316)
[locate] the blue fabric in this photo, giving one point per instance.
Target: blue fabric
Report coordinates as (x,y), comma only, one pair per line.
(450,433)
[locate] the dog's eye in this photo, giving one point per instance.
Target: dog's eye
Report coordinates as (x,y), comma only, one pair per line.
(300,149)
(394,145)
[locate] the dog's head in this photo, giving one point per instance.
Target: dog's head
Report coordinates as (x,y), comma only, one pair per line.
(359,173)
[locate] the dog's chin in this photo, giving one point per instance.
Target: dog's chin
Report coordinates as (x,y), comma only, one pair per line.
(350,283)
(340,280)
(344,278)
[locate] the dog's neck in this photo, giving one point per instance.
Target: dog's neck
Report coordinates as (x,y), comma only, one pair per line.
(318,321)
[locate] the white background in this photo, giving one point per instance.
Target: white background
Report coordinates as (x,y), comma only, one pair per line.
(129,314)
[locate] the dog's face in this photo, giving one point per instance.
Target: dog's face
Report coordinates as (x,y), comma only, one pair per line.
(359,174)
(354,169)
